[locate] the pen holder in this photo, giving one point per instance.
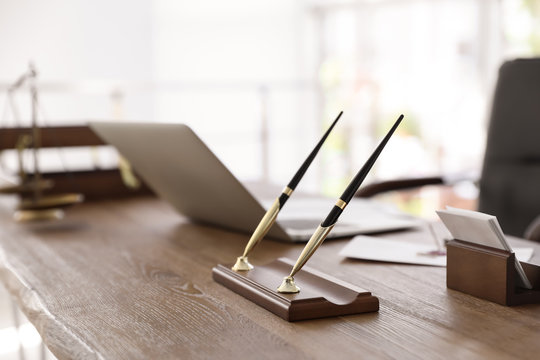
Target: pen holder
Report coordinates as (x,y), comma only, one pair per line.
(321,295)
(489,274)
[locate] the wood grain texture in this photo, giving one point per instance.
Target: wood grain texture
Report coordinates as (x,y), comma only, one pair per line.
(131,279)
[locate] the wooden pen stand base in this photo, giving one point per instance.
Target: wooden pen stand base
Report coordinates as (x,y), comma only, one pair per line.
(489,273)
(320,295)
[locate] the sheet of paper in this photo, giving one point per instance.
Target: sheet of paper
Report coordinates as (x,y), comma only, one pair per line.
(524,254)
(397,251)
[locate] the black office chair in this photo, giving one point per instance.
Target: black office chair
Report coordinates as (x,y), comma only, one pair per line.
(510,178)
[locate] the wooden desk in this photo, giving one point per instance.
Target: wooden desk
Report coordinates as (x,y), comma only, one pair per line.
(132,280)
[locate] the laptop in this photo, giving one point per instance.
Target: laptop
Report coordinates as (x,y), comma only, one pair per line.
(181,169)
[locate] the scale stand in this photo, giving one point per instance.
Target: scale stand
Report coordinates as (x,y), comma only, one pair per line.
(320,295)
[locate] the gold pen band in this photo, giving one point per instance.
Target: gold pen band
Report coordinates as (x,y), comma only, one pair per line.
(287,191)
(341,204)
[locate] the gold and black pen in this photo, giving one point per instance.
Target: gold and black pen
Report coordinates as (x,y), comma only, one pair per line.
(242,263)
(288,285)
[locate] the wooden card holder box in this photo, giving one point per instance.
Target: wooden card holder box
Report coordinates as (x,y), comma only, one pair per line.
(320,295)
(489,274)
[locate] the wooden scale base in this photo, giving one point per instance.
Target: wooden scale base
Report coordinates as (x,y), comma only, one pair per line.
(320,295)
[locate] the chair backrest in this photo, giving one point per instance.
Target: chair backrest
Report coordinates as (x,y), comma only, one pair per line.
(510,180)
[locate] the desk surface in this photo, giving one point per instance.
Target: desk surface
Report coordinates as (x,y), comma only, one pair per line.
(132,280)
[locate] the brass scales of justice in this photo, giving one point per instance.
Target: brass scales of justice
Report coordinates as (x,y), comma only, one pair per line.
(34,204)
(286,288)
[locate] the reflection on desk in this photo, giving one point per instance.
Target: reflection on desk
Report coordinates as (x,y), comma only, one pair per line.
(131,280)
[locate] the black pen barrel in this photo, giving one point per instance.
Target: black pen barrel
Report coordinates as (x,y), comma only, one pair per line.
(282,199)
(353,186)
(361,175)
(332,217)
(300,173)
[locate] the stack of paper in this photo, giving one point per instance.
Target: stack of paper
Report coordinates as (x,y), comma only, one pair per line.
(482,229)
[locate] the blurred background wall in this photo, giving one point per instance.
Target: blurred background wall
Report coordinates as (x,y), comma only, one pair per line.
(264,78)
(260,80)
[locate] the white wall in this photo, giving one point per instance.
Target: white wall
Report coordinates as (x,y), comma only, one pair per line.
(220,53)
(199,62)
(235,40)
(75,41)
